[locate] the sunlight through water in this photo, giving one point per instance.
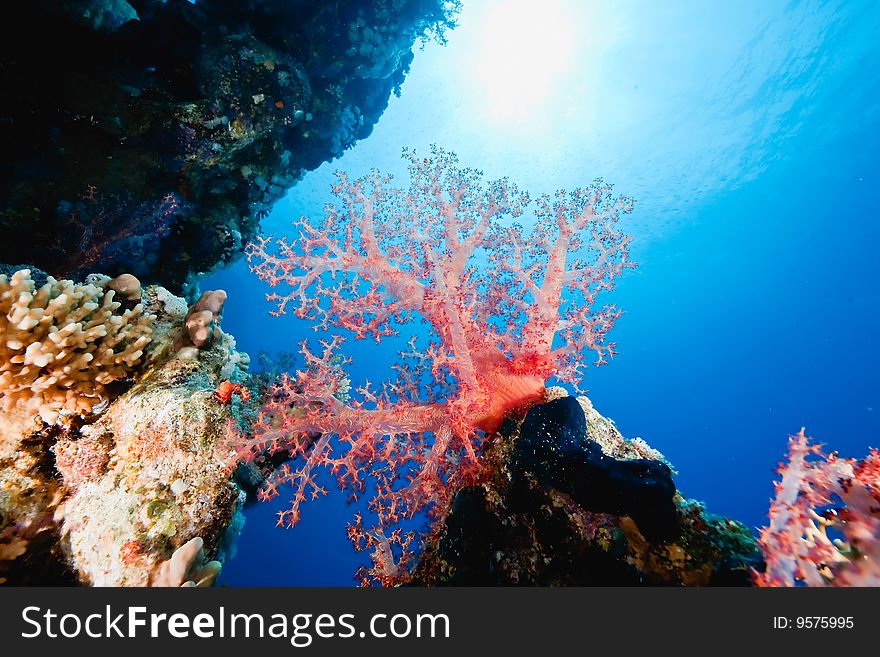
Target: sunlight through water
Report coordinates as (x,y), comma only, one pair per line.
(525,58)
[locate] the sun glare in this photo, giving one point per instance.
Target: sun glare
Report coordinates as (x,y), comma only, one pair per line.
(526,52)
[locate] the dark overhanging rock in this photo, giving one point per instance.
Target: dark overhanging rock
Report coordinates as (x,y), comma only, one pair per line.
(163,131)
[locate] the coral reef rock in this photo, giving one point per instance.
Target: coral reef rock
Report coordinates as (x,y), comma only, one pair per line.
(135,490)
(570,501)
(165,129)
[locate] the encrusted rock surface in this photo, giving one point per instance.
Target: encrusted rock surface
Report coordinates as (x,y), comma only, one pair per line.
(570,502)
(149,136)
(107,498)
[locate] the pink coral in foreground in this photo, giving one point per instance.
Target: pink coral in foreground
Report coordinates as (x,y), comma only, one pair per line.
(819,495)
(508,308)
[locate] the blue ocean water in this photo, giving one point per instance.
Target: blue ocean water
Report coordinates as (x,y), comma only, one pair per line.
(747,132)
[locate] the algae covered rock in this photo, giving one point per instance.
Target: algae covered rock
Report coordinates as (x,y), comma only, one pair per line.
(115,491)
(570,502)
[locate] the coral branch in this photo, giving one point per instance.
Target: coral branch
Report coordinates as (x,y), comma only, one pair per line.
(507,310)
(819,494)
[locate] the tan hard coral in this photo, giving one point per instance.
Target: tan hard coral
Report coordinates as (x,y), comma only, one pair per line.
(138,491)
(62,343)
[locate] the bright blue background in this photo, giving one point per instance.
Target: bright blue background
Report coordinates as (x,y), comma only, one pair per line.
(748,133)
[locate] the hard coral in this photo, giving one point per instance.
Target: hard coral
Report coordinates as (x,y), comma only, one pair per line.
(203,318)
(187,568)
(818,494)
(62,343)
(106,499)
(508,309)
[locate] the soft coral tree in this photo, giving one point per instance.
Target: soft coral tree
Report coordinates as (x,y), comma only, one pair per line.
(508,308)
(818,495)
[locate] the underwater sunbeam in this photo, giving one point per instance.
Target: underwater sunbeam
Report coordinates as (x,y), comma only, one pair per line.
(525,55)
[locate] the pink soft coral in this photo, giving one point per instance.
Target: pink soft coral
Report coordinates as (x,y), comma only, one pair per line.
(508,309)
(818,493)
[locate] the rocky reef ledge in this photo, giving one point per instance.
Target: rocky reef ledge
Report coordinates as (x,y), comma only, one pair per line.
(151,136)
(571,502)
(110,473)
